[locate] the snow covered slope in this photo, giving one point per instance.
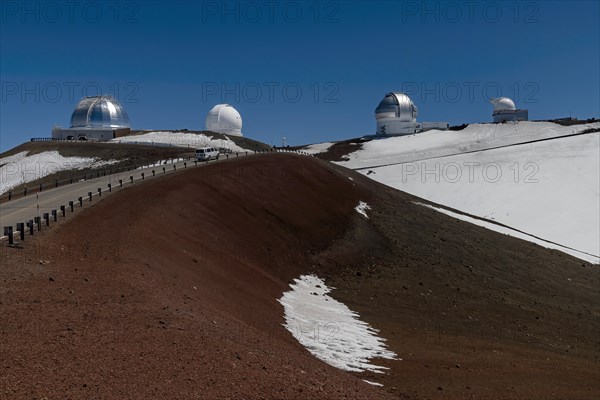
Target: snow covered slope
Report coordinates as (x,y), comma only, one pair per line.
(550,188)
(22,167)
(436,143)
(317,148)
(180,139)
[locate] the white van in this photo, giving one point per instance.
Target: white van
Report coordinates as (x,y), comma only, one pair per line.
(207,153)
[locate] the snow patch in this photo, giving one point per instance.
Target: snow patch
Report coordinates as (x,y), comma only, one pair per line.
(329,329)
(317,148)
(21,168)
(435,143)
(372,383)
(181,139)
(362,208)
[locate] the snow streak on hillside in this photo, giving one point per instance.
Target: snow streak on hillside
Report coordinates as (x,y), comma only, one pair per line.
(21,167)
(193,140)
(329,329)
(550,189)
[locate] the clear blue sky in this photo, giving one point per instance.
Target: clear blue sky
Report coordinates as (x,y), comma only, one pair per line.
(307,70)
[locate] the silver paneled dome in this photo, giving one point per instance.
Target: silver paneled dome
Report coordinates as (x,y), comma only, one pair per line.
(396,105)
(99,112)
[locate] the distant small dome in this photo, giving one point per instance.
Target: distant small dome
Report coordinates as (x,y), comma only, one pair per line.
(99,112)
(223,118)
(503,104)
(398,106)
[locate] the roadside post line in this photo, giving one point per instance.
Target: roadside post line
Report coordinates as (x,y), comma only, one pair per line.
(21,229)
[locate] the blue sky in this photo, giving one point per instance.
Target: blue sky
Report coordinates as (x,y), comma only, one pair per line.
(305,70)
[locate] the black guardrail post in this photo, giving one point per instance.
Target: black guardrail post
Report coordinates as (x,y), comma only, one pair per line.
(8,231)
(196,163)
(143,176)
(38,222)
(47,219)
(30,226)
(109,187)
(63,210)
(54,215)
(131,178)
(90,195)
(174,167)
(121,182)
(153,173)
(99,192)
(80,199)
(41,187)
(21,229)
(164,170)
(9,195)
(24,191)
(185,165)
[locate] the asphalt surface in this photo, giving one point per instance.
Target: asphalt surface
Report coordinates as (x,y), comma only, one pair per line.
(35,205)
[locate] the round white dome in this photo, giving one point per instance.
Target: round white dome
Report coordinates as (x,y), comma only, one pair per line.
(99,112)
(398,106)
(223,118)
(503,103)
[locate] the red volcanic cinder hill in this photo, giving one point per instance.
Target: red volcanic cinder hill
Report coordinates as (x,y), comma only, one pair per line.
(169,289)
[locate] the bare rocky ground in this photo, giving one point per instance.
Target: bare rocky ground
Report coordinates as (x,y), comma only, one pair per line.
(169,289)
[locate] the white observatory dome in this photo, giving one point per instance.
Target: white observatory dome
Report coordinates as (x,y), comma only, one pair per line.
(99,112)
(398,106)
(223,118)
(503,104)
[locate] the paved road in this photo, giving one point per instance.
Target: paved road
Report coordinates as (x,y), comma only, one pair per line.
(26,208)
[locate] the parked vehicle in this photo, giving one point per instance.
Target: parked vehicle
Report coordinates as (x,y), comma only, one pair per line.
(207,153)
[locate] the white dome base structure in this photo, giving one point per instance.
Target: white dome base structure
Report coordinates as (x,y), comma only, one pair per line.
(506,111)
(225,119)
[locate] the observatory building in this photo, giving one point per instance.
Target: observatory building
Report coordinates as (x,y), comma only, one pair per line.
(225,119)
(95,118)
(505,110)
(397,115)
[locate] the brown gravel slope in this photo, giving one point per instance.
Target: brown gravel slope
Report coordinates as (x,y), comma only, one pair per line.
(168,290)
